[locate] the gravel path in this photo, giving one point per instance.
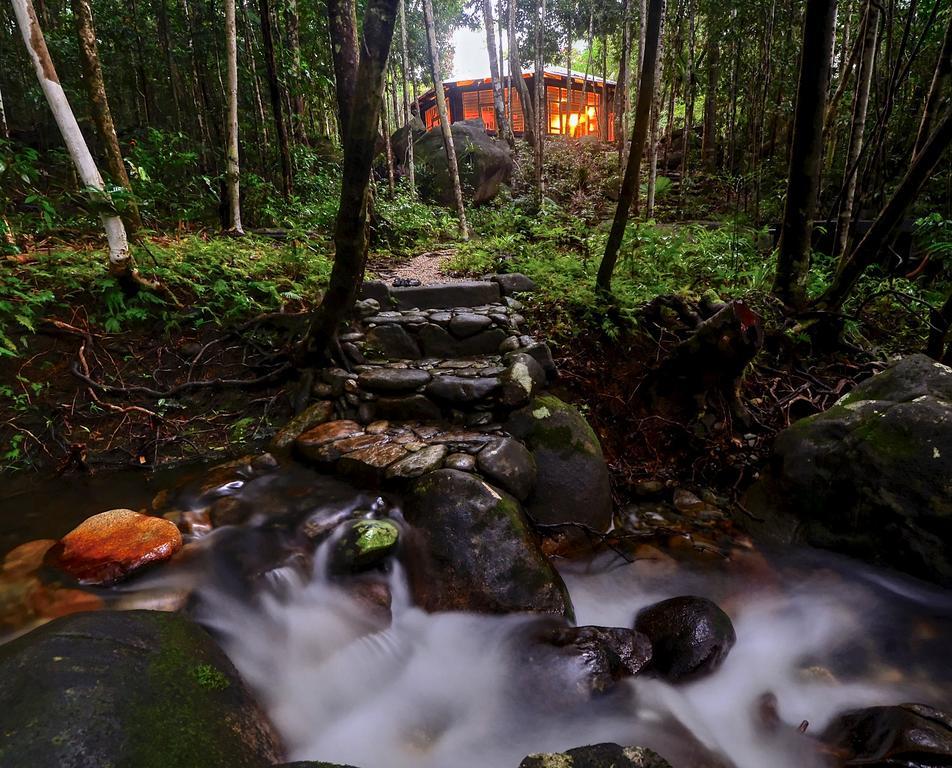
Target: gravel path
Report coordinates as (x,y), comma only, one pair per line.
(425,267)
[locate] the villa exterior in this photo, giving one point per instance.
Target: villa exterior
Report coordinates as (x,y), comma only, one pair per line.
(472,99)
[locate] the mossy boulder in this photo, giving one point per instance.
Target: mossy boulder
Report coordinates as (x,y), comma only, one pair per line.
(572,482)
(363,545)
(134,689)
(471,549)
(484,163)
(872,476)
(597,756)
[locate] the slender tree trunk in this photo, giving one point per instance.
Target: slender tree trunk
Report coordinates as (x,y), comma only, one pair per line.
(175,81)
(261,123)
(445,126)
(688,103)
(515,71)
(845,71)
(385,127)
(938,92)
(568,77)
(96,89)
(297,89)
(198,91)
(231,150)
(629,187)
(732,117)
(342,23)
(407,116)
(588,69)
(852,267)
(793,258)
(120,260)
(502,125)
(622,87)
(137,56)
(653,132)
(540,99)
(603,112)
(642,15)
(860,104)
(709,142)
(4,128)
(351,236)
(271,64)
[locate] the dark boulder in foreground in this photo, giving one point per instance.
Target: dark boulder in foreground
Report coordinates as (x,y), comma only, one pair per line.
(598,756)
(690,637)
(471,550)
(134,689)
(572,482)
(905,736)
(872,476)
(484,163)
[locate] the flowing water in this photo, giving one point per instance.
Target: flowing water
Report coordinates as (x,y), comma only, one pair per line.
(348,680)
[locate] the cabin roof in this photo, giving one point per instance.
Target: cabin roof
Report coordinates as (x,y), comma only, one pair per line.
(526,72)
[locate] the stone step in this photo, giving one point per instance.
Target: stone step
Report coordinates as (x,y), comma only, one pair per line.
(462,293)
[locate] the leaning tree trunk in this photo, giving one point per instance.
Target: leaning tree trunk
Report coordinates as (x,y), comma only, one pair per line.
(793,258)
(407,116)
(96,88)
(939,92)
(445,126)
(120,261)
(342,23)
(865,253)
(864,80)
(231,150)
(515,74)
(629,187)
(351,238)
(274,88)
(541,126)
(502,125)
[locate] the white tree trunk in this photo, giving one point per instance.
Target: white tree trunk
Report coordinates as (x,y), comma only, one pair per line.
(407,115)
(120,262)
(445,127)
(231,150)
(4,129)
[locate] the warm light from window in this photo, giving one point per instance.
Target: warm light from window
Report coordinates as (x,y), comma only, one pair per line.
(591,113)
(573,120)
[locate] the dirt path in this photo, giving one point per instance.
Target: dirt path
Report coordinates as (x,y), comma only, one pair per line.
(425,267)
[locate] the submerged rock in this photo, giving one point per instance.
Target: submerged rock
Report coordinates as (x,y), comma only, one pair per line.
(110,546)
(572,484)
(690,637)
(472,550)
(906,736)
(597,756)
(870,477)
(132,689)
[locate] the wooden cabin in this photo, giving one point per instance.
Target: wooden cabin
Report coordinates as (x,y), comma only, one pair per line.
(472,99)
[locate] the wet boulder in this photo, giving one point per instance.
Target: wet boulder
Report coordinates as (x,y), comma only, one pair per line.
(872,476)
(690,637)
(129,689)
(597,756)
(363,545)
(471,549)
(906,736)
(485,164)
(110,546)
(572,483)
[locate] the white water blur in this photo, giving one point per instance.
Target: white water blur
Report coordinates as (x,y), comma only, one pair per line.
(430,691)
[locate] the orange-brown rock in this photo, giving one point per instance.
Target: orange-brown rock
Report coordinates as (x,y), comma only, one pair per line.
(109,546)
(313,439)
(26,558)
(53,603)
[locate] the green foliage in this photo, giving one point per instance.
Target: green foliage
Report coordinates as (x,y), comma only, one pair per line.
(934,234)
(404,222)
(218,281)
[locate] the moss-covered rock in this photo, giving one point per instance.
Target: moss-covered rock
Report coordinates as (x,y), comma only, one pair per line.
(365,544)
(872,476)
(572,484)
(134,689)
(597,756)
(471,549)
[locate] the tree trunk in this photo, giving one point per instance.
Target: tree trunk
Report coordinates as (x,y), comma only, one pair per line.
(96,89)
(271,64)
(297,96)
(162,19)
(603,112)
(515,72)
(709,142)
(642,15)
(653,134)
(622,83)
(540,102)
(4,128)
(385,127)
(852,267)
(261,127)
(404,65)
(502,125)
(351,236)
(688,103)
(793,258)
(342,24)
(568,77)
(231,150)
(588,68)
(938,92)
(120,260)
(445,127)
(858,129)
(629,187)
